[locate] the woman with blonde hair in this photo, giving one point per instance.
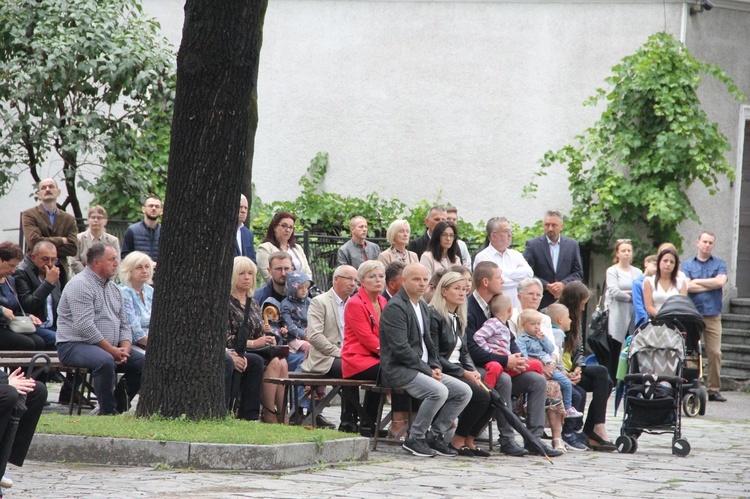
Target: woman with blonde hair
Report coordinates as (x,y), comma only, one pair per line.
(136,276)
(398,235)
(243,287)
(447,323)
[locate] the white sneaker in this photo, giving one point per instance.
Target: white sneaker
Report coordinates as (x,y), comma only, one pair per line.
(6,482)
(571,412)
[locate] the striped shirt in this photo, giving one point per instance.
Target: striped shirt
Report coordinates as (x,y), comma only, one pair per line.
(91,310)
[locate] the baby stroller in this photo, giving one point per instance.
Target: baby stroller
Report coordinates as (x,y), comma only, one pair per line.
(680,311)
(654,383)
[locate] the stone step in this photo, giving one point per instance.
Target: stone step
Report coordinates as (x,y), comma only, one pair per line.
(734,337)
(740,306)
(736,352)
(735,321)
(735,369)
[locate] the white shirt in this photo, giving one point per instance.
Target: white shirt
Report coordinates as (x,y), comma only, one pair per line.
(342,305)
(512,263)
(554,251)
(418,311)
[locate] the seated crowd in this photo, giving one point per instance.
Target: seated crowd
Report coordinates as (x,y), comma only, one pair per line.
(417,316)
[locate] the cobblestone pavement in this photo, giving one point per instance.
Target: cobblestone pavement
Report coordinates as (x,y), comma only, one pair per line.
(718,466)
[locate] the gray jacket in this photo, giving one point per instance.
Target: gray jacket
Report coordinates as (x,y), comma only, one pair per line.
(351,254)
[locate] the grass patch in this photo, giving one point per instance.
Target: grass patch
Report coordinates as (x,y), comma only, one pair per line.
(223,431)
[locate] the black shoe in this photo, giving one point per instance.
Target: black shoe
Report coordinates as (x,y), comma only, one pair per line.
(348,427)
(511,448)
(463,451)
(366,431)
(437,443)
(547,450)
(478,452)
(418,447)
(716,397)
(321,422)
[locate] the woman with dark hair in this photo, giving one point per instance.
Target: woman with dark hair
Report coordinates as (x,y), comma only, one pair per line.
(10,256)
(280,237)
(442,251)
(447,322)
(593,379)
(665,283)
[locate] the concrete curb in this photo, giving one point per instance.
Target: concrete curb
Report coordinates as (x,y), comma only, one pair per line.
(131,452)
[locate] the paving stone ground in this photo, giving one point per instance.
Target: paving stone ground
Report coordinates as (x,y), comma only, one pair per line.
(718,467)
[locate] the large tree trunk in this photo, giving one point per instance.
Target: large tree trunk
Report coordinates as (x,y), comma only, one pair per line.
(217,69)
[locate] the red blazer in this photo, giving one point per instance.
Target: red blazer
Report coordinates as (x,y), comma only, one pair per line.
(361,348)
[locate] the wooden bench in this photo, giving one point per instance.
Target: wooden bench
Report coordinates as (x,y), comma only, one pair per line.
(382,422)
(305,379)
(10,360)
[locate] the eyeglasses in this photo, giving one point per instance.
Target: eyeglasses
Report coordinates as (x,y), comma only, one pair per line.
(623,240)
(375,276)
(96,217)
(350,279)
(282,269)
(286,226)
(448,235)
(48,259)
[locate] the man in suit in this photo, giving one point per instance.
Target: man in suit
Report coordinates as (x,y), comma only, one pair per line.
(38,286)
(46,222)
(555,260)
(325,332)
(488,282)
(244,244)
(436,215)
(408,360)
(394,279)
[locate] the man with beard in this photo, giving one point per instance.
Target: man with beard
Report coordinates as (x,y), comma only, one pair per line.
(144,235)
(279,265)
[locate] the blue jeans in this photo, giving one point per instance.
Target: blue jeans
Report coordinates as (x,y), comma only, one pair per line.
(104,371)
(566,388)
(49,336)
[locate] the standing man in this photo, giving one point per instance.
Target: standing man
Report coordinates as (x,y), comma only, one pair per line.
(325,332)
(419,245)
(708,275)
(357,250)
(144,235)
(451,215)
(244,245)
(47,223)
(93,330)
(511,262)
(555,260)
(408,361)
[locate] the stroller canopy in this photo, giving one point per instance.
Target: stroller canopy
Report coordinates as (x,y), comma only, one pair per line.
(681,308)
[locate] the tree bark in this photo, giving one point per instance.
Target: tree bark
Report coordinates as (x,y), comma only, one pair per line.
(212,136)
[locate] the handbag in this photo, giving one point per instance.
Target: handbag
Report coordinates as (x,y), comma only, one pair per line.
(22,325)
(598,340)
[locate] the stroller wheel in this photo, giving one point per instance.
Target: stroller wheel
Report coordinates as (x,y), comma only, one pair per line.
(634,447)
(703,398)
(680,447)
(691,404)
(624,444)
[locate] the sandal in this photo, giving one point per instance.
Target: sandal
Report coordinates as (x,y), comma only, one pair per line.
(598,443)
(557,443)
(399,432)
(273,419)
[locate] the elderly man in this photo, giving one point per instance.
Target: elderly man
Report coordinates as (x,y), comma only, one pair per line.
(708,275)
(325,332)
(436,215)
(46,222)
(394,279)
(555,260)
(488,282)
(38,286)
(244,244)
(451,215)
(357,249)
(144,235)
(93,330)
(408,361)
(511,262)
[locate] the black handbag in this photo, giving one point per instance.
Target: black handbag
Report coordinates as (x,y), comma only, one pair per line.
(598,340)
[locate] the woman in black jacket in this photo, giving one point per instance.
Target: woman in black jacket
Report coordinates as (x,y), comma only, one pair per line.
(447,322)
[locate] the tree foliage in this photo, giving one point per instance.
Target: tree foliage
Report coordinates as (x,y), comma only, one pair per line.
(630,171)
(78,80)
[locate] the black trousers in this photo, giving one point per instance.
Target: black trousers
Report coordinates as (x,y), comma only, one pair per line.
(476,414)
(17,427)
(10,340)
(595,379)
(251,384)
(348,412)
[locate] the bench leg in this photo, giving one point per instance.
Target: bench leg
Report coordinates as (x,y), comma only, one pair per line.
(376,433)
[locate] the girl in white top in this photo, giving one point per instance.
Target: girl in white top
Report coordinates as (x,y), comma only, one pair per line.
(664,283)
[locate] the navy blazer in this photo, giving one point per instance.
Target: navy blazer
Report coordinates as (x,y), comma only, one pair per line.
(569,266)
(401,342)
(475,318)
(248,246)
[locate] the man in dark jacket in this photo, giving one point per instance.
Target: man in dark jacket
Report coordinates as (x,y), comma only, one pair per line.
(38,286)
(408,360)
(436,215)
(144,235)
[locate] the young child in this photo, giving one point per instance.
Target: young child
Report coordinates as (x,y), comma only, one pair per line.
(294,310)
(494,335)
(649,269)
(533,343)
